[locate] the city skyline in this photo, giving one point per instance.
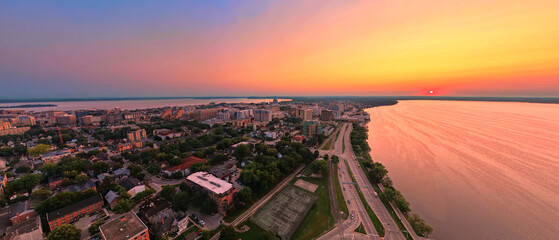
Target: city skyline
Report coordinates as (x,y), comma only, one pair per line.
(292,48)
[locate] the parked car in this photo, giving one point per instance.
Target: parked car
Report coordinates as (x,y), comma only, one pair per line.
(201,222)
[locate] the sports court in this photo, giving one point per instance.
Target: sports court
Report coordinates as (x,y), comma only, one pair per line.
(311,187)
(283,214)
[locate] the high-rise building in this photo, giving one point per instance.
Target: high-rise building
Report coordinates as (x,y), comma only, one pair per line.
(326,115)
(311,128)
(5,125)
(205,114)
(262,115)
(66,119)
(137,135)
(305,114)
(25,120)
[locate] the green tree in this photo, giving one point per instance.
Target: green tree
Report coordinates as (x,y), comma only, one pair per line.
(101,167)
(20,149)
(320,166)
(39,149)
(123,206)
(180,201)
(242,151)
(49,169)
(335,159)
(168,192)
(245,195)
(65,232)
(41,194)
(219,158)
(419,225)
(154,169)
(228,233)
(378,172)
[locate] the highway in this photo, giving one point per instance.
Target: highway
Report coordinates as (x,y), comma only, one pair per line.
(345,228)
(391,229)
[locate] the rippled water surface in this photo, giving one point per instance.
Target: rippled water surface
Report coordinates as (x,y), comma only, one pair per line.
(474,170)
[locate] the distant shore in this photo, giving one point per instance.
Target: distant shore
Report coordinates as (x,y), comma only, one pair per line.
(302,98)
(29,106)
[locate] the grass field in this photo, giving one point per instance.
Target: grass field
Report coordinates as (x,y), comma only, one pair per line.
(372,215)
(256,232)
(342,205)
(360,229)
(320,218)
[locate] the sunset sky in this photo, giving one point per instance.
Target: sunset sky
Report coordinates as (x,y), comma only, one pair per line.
(239,48)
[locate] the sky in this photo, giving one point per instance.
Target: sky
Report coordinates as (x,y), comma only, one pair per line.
(287,48)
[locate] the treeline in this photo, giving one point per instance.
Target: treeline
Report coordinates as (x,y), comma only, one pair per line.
(184,196)
(378,174)
(268,168)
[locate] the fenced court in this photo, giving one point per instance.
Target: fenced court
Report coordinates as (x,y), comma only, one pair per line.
(283,214)
(311,187)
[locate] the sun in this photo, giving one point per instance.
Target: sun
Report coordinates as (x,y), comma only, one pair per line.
(431,92)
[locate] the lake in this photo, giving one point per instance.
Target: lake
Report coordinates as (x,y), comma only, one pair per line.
(474,170)
(133,104)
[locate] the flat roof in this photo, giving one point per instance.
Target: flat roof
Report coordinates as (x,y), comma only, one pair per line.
(123,227)
(74,207)
(210,182)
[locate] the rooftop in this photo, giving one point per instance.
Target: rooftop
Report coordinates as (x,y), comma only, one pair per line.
(74,207)
(79,187)
(124,227)
(210,182)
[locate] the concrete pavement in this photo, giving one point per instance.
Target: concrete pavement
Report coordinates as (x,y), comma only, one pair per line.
(345,228)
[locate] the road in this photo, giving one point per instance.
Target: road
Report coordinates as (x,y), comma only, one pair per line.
(391,229)
(345,228)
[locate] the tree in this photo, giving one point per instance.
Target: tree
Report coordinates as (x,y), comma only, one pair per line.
(180,201)
(335,159)
(136,171)
(242,151)
(316,154)
(326,156)
(219,158)
(208,206)
(245,195)
(101,167)
(23,169)
(154,169)
(49,169)
(123,206)
(228,233)
(39,149)
(168,192)
(378,172)
(20,149)
(65,232)
(387,182)
(41,194)
(419,225)
(320,166)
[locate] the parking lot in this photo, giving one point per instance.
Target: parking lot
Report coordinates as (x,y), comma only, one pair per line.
(211,221)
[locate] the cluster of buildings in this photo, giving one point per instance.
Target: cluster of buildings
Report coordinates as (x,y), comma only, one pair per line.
(269,122)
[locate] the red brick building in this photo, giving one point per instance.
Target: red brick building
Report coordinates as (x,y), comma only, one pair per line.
(68,214)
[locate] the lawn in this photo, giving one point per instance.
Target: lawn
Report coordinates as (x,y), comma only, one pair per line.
(255,232)
(342,205)
(360,229)
(320,218)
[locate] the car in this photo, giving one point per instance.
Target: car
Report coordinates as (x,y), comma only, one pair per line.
(348,202)
(201,222)
(351,216)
